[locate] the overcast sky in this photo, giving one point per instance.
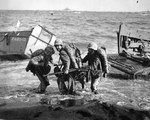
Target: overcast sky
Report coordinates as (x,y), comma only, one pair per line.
(80,5)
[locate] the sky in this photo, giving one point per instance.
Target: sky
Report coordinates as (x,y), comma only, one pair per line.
(79,5)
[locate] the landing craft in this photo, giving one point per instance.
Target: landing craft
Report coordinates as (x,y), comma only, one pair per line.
(20,44)
(133,56)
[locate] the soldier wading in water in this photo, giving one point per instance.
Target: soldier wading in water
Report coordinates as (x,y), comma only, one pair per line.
(39,66)
(97,63)
(65,81)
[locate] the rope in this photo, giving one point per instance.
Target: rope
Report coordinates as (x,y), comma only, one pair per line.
(4,38)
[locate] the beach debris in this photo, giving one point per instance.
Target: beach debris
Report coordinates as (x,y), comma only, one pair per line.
(50,100)
(25,100)
(144,105)
(121,103)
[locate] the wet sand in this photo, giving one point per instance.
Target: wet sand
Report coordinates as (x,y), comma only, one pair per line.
(119,100)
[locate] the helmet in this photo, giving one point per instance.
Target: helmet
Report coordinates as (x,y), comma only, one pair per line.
(49,50)
(92,45)
(58,42)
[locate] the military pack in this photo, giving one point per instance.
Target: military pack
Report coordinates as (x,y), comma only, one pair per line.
(103,58)
(75,54)
(37,53)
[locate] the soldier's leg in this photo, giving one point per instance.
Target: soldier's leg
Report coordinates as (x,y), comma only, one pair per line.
(42,86)
(82,78)
(61,84)
(92,85)
(71,84)
(95,83)
(45,79)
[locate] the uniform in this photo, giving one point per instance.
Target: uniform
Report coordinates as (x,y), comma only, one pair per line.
(95,65)
(39,66)
(65,81)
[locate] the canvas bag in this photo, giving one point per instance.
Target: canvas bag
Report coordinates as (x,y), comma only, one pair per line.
(103,58)
(74,54)
(32,64)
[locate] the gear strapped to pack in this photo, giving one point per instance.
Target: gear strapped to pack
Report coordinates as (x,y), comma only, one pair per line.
(39,57)
(74,54)
(103,58)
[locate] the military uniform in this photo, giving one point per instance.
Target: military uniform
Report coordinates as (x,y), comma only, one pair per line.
(39,66)
(95,69)
(65,82)
(97,64)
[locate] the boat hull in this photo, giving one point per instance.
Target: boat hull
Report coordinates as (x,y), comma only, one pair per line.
(21,44)
(133,56)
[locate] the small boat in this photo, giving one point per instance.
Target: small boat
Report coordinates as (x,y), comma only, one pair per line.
(52,13)
(15,45)
(133,56)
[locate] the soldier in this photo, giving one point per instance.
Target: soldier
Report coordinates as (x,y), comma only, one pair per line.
(39,66)
(95,65)
(66,77)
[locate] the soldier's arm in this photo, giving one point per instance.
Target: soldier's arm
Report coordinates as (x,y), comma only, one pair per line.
(85,59)
(37,59)
(65,60)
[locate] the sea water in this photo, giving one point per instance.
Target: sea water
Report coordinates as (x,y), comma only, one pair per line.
(80,28)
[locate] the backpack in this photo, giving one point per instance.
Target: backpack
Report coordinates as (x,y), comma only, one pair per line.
(44,70)
(75,55)
(103,58)
(37,53)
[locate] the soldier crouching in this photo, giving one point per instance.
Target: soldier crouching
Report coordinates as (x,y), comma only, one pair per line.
(39,66)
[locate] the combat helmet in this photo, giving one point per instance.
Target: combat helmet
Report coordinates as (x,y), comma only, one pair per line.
(58,42)
(49,50)
(92,45)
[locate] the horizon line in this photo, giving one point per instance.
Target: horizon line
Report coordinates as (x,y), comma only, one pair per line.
(68,10)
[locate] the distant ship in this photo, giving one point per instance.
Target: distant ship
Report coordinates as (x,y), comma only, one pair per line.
(67,9)
(20,44)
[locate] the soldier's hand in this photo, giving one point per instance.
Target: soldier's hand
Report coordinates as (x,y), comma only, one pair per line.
(66,71)
(55,64)
(104,74)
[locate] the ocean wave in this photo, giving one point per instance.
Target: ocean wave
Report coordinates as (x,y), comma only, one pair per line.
(138,23)
(111,23)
